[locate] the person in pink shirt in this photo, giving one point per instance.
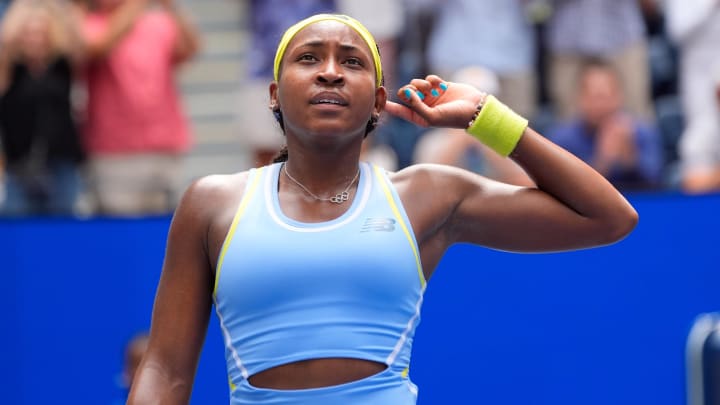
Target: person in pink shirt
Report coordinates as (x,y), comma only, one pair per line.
(135,132)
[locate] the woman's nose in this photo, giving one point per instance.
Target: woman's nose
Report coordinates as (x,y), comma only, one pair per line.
(330,73)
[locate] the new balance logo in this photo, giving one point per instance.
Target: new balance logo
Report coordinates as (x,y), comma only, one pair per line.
(378,224)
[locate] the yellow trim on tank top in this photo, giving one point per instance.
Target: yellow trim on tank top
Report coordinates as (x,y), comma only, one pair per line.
(231,232)
(400,220)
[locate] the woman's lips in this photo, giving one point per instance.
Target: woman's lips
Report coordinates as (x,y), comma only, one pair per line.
(329,99)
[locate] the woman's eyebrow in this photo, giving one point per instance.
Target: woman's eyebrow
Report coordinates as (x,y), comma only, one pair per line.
(349,48)
(320,43)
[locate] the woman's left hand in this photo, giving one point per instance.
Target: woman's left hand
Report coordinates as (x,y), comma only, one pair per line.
(435,102)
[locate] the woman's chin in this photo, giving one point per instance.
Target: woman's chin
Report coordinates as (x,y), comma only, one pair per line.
(333,130)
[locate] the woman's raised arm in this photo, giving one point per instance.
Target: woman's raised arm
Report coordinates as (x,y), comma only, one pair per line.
(572,207)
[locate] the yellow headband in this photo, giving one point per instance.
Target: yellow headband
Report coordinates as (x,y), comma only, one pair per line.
(349,21)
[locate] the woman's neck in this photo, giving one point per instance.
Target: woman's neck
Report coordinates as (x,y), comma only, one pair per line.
(321,176)
(323,166)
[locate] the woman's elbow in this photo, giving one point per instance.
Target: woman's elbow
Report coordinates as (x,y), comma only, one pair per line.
(620,225)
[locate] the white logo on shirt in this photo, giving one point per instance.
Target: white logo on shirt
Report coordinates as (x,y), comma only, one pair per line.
(378,224)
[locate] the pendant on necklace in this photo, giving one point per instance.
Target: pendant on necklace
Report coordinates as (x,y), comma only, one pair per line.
(340,198)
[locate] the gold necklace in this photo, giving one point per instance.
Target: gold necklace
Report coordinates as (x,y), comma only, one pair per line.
(338,198)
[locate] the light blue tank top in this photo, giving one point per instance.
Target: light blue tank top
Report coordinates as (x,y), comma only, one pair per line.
(287,291)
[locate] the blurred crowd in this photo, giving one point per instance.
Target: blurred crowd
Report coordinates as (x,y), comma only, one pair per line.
(92,119)
(89,105)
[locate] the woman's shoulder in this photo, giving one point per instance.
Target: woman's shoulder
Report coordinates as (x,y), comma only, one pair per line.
(210,195)
(218,186)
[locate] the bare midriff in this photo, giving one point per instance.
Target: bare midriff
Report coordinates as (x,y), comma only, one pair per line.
(315,373)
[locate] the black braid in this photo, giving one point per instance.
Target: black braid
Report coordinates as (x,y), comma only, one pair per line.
(282,155)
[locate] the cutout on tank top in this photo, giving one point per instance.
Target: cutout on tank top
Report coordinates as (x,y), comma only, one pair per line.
(294,377)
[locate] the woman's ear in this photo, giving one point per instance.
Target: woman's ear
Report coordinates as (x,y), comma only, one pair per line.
(274,102)
(380,99)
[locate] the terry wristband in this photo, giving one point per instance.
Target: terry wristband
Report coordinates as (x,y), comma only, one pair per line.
(497,126)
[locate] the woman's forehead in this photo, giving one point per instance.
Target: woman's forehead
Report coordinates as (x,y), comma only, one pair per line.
(329,32)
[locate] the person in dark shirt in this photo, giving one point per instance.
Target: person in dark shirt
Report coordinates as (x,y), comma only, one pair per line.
(619,146)
(40,140)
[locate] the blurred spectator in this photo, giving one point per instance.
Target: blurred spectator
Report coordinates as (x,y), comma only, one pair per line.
(136,130)
(455,148)
(39,136)
(134,352)
(419,23)
(259,130)
(694,25)
(662,53)
(611,30)
(495,35)
(663,60)
(447,37)
(617,144)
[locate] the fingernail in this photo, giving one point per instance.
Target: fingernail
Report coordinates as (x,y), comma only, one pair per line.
(443,86)
(420,94)
(408,94)
(435,93)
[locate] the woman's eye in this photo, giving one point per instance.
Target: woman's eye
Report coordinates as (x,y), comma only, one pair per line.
(354,61)
(307,57)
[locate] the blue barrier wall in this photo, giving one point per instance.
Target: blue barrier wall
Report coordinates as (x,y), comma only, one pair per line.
(602,326)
